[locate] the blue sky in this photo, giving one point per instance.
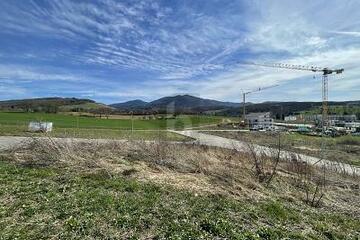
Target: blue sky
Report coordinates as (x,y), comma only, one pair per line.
(113,51)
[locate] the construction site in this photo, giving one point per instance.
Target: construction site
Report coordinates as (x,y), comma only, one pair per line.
(179,119)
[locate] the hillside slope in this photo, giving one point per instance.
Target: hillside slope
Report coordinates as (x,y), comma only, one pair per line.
(52,104)
(129,105)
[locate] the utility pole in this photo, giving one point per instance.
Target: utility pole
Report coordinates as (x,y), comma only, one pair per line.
(244,109)
(132,122)
(325,107)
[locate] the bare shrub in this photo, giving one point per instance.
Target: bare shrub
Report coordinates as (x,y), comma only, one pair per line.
(38,152)
(156,153)
(67,153)
(265,160)
(217,163)
(309,179)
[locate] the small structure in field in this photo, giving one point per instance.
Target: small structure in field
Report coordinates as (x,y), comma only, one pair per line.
(40,126)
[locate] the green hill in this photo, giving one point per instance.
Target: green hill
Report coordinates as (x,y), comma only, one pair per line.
(51,105)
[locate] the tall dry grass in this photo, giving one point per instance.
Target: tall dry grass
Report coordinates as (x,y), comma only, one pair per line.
(191,166)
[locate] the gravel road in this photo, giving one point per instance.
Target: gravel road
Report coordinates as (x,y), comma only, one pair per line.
(8,142)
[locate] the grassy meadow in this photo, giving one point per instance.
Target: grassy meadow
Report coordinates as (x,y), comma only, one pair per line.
(63,190)
(66,125)
(69,121)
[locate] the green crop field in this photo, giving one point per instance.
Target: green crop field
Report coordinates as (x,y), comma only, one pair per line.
(16,124)
(21,130)
(67,121)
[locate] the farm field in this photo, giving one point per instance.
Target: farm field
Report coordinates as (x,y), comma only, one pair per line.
(15,130)
(344,149)
(67,121)
(15,124)
(127,191)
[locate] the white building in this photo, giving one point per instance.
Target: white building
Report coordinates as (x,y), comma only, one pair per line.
(260,121)
(334,120)
(352,126)
(290,118)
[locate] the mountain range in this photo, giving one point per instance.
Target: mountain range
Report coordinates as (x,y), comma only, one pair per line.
(179,103)
(174,104)
(191,104)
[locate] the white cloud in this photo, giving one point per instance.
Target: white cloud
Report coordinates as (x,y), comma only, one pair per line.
(141,35)
(188,49)
(354,34)
(11,90)
(19,72)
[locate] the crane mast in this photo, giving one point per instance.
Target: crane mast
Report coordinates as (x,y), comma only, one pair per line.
(325,86)
(252,91)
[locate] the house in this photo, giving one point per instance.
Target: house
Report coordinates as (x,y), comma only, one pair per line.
(260,121)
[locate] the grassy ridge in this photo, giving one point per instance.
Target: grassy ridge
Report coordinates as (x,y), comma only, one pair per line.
(55,203)
(67,121)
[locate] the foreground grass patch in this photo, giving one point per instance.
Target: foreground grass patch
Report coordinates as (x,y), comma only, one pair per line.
(53,202)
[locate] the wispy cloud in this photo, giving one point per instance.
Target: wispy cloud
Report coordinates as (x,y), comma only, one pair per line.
(141,35)
(355,34)
(153,48)
(18,72)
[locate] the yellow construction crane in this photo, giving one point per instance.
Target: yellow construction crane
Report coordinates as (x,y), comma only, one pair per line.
(325,72)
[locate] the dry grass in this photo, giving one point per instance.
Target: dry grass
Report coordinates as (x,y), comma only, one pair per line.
(192,167)
(111,189)
(344,149)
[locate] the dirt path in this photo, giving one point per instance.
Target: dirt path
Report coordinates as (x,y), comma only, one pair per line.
(211,140)
(8,142)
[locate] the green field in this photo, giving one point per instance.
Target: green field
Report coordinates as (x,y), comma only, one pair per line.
(16,124)
(21,130)
(68,121)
